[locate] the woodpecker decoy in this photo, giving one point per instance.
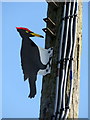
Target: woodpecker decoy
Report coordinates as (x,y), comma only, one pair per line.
(30,58)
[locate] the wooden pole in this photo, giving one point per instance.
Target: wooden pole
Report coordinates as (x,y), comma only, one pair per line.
(55,12)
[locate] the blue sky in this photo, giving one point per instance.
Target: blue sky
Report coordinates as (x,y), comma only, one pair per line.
(15,91)
(0,59)
(83,112)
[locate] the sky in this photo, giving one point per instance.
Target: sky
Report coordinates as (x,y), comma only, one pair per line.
(83,112)
(0,60)
(14,90)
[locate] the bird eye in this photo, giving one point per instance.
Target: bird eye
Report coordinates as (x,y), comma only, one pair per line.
(27,32)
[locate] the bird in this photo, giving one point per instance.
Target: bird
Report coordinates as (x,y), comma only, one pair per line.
(30,58)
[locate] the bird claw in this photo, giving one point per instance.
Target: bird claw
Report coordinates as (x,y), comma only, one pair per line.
(30,96)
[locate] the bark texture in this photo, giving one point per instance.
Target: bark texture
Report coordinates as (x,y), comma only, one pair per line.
(49,81)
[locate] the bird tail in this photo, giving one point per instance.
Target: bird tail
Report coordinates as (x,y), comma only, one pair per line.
(32,84)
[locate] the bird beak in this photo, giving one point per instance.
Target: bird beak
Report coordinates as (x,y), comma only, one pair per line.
(37,35)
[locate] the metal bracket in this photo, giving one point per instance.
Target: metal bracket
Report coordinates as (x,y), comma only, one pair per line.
(48,31)
(53,3)
(49,21)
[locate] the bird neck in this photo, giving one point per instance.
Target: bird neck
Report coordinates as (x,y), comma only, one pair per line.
(25,38)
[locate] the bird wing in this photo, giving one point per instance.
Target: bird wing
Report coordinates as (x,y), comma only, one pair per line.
(45,55)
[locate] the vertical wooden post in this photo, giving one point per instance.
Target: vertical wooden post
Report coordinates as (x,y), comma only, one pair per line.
(55,13)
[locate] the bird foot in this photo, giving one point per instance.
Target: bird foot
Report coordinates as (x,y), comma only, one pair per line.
(32,94)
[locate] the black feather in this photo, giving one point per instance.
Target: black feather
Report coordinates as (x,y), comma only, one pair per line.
(30,61)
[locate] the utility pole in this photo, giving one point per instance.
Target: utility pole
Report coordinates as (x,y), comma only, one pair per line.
(53,22)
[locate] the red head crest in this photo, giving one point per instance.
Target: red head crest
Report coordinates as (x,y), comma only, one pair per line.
(23,28)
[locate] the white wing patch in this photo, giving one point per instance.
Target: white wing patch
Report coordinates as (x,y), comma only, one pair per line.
(45,55)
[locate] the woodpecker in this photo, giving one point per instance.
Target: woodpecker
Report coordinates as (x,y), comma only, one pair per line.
(30,58)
